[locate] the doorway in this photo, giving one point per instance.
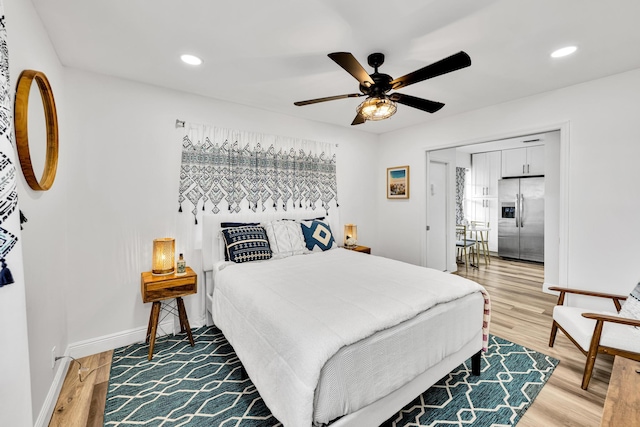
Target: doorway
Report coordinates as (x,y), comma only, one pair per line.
(556,143)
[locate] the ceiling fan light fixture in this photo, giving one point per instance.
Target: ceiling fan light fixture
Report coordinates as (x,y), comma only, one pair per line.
(374,108)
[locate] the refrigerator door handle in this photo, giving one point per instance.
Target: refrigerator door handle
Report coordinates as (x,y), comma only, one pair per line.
(517,210)
(521,209)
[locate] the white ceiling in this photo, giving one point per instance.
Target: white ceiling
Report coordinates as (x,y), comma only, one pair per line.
(268,54)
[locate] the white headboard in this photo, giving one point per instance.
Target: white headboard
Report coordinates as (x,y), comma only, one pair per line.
(211,243)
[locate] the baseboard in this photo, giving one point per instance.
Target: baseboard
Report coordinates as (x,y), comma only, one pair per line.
(87,348)
(49,404)
(119,339)
(546,286)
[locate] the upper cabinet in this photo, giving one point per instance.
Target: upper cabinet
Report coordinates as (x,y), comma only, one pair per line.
(485,173)
(523,161)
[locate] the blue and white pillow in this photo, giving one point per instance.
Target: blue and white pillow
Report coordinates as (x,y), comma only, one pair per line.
(229,225)
(248,243)
(317,235)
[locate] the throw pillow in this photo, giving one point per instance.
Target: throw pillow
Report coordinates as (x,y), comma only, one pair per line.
(317,235)
(285,238)
(248,243)
(631,307)
(233,224)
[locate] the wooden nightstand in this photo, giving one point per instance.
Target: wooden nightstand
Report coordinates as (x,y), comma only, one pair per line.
(363,249)
(158,288)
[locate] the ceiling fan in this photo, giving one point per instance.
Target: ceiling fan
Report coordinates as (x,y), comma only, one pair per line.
(379,104)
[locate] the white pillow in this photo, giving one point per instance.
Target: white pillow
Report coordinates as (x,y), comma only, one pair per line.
(285,238)
(631,307)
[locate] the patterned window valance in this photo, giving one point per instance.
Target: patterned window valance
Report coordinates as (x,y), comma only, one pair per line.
(228,170)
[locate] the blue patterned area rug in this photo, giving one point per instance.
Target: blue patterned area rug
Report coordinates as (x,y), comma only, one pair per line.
(203,386)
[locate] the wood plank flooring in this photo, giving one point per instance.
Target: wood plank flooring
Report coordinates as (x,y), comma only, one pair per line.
(521,313)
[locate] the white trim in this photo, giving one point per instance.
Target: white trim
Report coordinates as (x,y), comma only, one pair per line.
(564,128)
(87,348)
(546,286)
(49,404)
(111,341)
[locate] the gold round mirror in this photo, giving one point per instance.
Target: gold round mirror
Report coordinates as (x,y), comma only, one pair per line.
(22,129)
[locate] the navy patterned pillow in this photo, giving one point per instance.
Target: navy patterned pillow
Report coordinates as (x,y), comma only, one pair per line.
(248,243)
(317,235)
(234,224)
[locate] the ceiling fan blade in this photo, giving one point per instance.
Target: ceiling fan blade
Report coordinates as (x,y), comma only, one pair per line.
(415,102)
(352,66)
(444,66)
(328,98)
(358,120)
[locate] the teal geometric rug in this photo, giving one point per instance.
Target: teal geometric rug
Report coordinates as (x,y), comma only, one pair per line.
(202,386)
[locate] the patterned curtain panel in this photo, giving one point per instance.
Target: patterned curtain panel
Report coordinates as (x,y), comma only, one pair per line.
(233,171)
(460,182)
(8,188)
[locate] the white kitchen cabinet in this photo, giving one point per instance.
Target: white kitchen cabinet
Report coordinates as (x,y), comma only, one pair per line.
(485,173)
(527,161)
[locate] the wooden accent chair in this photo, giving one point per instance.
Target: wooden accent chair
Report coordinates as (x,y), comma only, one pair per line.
(595,332)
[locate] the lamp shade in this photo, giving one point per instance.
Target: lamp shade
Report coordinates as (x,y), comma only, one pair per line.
(350,234)
(163,256)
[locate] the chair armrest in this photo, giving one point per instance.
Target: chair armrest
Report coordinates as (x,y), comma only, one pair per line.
(613,319)
(588,293)
(616,298)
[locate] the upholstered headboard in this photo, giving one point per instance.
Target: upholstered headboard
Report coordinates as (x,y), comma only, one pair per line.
(211,241)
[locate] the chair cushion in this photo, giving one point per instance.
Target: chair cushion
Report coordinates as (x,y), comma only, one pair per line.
(461,243)
(580,328)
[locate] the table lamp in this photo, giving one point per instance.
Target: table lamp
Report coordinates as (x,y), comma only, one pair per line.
(350,235)
(163,256)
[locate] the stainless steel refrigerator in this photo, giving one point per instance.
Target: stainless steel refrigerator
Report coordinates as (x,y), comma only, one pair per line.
(521,218)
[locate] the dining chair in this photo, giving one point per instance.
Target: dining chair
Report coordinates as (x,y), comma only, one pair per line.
(480,232)
(465,245)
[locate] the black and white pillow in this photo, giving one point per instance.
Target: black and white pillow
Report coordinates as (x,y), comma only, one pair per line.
(317,235)
(224,225)
(246,243)
(631,307)
(285,238)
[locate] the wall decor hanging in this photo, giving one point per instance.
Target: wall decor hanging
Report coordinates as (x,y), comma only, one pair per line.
(22,130)
(8,189)
(398,182)
(230,170)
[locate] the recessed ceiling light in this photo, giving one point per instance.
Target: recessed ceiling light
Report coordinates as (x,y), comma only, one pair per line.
(191,60)
(568,50)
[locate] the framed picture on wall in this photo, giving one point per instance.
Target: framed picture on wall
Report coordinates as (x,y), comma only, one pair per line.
(398,182)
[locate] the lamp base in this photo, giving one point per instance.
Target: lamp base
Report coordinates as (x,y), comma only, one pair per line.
(153,273)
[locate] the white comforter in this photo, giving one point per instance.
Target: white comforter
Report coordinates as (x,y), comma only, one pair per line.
(285,318)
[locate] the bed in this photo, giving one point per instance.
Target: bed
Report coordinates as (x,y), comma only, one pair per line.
(337,337)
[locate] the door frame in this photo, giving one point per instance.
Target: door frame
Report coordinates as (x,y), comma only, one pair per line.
(449,259)
(564,173)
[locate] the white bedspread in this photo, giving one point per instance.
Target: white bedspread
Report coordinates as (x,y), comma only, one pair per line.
(285,318)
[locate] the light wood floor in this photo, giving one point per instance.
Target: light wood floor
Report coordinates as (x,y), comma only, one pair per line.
(521,313)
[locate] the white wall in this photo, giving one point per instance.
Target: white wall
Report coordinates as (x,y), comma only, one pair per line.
(90,236)
(43,238)
(604,145)
(124,191)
